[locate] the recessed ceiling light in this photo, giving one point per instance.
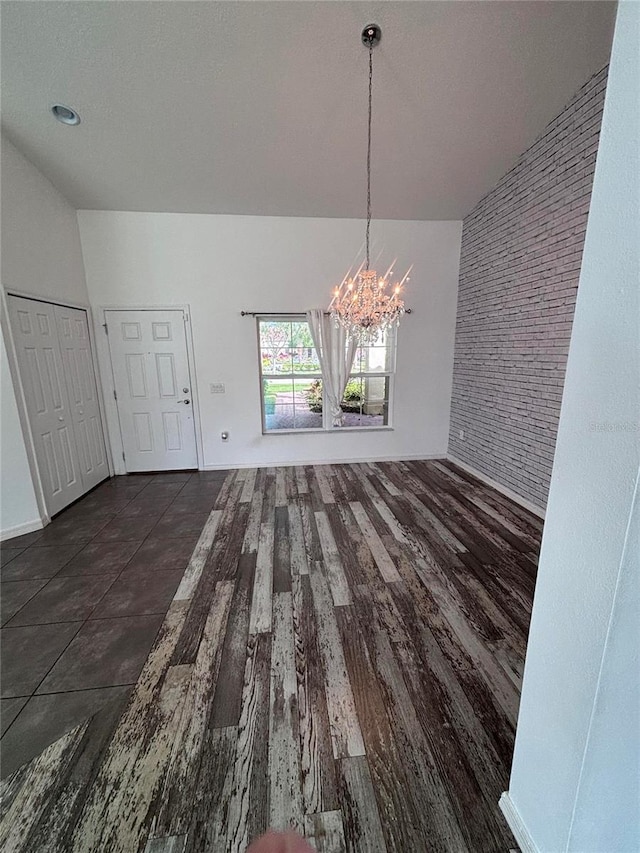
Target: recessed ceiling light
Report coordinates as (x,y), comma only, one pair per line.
(65,114)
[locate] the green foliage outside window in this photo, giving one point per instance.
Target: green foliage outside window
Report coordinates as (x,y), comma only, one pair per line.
(351,402)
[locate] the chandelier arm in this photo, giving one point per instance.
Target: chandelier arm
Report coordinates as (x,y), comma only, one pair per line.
(369,152)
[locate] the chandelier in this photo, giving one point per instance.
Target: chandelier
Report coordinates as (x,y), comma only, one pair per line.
(367,304)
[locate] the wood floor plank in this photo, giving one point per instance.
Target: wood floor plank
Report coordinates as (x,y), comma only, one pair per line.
(355,554)
(260,618)
(380,472)
(169,844)
(227,690)
(282,551)
(346,735)
(380,505)
(248,485)
(222,556)
(333,565)
(324,483)
(209,824)
(225,553)
(268,495)
(315,495)
(252,531)
(192,575)
(361,820)
(281,488)
(336,483)
(175,802)
(298,553)
(383,560)
(285,793)
(248,811)
(301,481)
(229,485)
(309,530)
(324,831)
(291,489)
(316,751)
(348,489)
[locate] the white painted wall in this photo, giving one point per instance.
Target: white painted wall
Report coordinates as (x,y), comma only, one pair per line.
(576,769)
(19,511)
(221,265)
(41,251)
(41,255)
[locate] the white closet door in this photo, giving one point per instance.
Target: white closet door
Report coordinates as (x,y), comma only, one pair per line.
(40,364)
(153,387)
(73,334)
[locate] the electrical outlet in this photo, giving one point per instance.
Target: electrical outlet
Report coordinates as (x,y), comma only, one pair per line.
(461,434)
(216,387)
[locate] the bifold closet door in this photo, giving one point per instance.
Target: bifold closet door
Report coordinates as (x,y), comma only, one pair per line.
(55,418)
(75,348)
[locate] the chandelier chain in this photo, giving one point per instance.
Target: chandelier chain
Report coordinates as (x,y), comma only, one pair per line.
(367,305)
(369,153)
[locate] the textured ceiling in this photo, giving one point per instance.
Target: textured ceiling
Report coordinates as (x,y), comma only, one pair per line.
(260,107)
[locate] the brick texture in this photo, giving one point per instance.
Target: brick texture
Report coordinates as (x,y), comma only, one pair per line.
(519,267)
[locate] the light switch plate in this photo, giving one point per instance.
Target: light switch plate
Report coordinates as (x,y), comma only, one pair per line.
(216,387)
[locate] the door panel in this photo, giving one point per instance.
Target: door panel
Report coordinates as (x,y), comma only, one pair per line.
(153,388)
(48,409)
(75,347)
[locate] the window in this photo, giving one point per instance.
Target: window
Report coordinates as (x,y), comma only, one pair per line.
(368,392)
(291,381)
(290,376)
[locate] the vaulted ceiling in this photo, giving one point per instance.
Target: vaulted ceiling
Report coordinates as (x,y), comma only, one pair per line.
(260,107)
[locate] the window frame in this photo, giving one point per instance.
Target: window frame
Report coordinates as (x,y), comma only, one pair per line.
(326,418)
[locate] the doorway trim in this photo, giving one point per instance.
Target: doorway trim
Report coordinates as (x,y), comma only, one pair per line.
(104,356)
(21,402)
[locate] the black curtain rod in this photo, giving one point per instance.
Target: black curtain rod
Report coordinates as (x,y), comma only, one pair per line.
(288,313)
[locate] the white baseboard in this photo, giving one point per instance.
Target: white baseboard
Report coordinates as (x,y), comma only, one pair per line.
(516,824)
(536,510)
(21,529)
(406,457)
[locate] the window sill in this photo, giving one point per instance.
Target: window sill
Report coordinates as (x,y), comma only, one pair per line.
(335,431)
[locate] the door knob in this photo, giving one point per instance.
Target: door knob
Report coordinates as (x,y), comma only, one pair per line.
(60,418)
(186,402)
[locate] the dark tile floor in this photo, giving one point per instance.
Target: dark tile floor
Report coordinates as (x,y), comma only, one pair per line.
(82,601)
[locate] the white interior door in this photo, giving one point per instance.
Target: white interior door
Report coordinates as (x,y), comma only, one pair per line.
(75,349)
(153,389)
(40,365)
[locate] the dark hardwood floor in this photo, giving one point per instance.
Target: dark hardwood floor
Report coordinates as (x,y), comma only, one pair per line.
(343,655)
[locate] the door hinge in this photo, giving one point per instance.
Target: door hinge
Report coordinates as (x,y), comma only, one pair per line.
(123,455)
(115,396)
(106,328)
